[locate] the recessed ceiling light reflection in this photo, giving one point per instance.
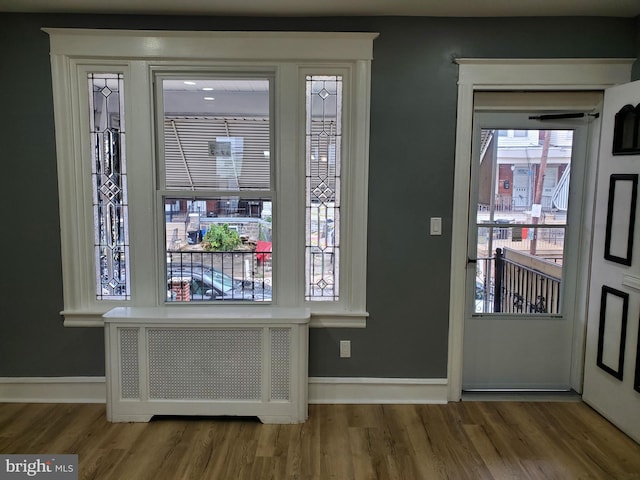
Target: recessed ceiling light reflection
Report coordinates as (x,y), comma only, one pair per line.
(207,89)
(209,98)
(189,82)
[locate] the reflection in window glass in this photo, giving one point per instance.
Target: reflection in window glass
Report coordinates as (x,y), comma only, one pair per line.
(216,134)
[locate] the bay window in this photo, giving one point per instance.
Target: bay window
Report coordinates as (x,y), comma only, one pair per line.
(207,168)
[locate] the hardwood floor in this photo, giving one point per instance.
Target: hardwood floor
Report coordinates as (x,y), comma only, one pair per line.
(466,440)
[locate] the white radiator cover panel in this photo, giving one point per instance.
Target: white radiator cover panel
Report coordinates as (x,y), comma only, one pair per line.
(222,361)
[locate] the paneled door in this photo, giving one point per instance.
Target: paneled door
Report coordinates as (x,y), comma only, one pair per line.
(612,360)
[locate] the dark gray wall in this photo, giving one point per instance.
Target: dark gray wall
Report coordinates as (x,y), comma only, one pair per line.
(413,113)
(635,74)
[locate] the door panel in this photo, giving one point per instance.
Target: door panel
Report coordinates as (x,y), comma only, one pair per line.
(535,356)
(612,368)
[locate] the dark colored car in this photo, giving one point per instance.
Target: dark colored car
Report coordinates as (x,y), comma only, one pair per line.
(210,284)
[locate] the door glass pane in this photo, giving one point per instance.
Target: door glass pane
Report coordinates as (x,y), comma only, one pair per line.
(521,220)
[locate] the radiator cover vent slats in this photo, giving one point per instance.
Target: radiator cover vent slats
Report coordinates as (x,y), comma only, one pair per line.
(210,362)
(280,371)
(130,378)
(205,364)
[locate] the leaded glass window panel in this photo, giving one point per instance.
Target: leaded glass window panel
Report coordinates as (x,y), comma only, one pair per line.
(109,180)
(323,171)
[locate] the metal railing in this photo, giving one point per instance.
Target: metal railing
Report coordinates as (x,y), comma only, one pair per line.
(525,283)
(484,285)
(205,276)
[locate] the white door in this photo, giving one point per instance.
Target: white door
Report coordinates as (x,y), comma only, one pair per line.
(521,196)
(612,355)
(519,326)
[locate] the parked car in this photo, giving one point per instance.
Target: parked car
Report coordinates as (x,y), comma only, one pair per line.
(210,284)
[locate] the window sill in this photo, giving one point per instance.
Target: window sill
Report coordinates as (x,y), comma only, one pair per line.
(74,318)
(82,318)
(221,315)
(339,320)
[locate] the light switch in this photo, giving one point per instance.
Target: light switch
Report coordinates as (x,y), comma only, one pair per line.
(436,226)
(345,348)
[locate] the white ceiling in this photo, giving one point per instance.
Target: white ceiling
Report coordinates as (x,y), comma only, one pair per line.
(436,8)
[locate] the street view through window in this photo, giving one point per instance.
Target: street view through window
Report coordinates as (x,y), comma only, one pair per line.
(218,197)
(521,220)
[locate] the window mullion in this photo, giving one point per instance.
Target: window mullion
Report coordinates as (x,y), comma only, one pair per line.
(144,254)
(289,218)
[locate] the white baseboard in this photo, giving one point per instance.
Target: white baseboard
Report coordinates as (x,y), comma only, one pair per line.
(345,390)
(53,390)
(339,390)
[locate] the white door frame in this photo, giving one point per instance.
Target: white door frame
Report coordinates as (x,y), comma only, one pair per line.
(505,75)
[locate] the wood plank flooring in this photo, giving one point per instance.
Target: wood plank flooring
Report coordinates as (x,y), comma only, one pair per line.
(459,441)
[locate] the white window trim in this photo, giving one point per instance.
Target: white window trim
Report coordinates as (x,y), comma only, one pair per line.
(477,74)
(137,54)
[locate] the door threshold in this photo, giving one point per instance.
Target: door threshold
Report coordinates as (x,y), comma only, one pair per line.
(520,395)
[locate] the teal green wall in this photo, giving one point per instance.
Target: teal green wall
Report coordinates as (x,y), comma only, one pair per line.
(413,120)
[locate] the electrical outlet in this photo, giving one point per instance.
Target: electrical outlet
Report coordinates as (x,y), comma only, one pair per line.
(345,348)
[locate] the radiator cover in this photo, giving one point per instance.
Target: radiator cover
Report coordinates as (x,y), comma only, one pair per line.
(225,361)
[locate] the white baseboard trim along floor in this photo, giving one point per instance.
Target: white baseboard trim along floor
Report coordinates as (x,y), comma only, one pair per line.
(53,389)
(322,390)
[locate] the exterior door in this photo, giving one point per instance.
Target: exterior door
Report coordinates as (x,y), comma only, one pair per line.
(612,355)
(519,326)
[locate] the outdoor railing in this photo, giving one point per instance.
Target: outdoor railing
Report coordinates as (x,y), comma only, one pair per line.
(525,283)
(202,275)
(484,285)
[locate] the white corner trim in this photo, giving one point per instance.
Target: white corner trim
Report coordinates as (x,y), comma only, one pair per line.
(347,390)
(53,389)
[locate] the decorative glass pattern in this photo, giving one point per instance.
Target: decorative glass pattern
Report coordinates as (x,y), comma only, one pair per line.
(109,174)
(323,165)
